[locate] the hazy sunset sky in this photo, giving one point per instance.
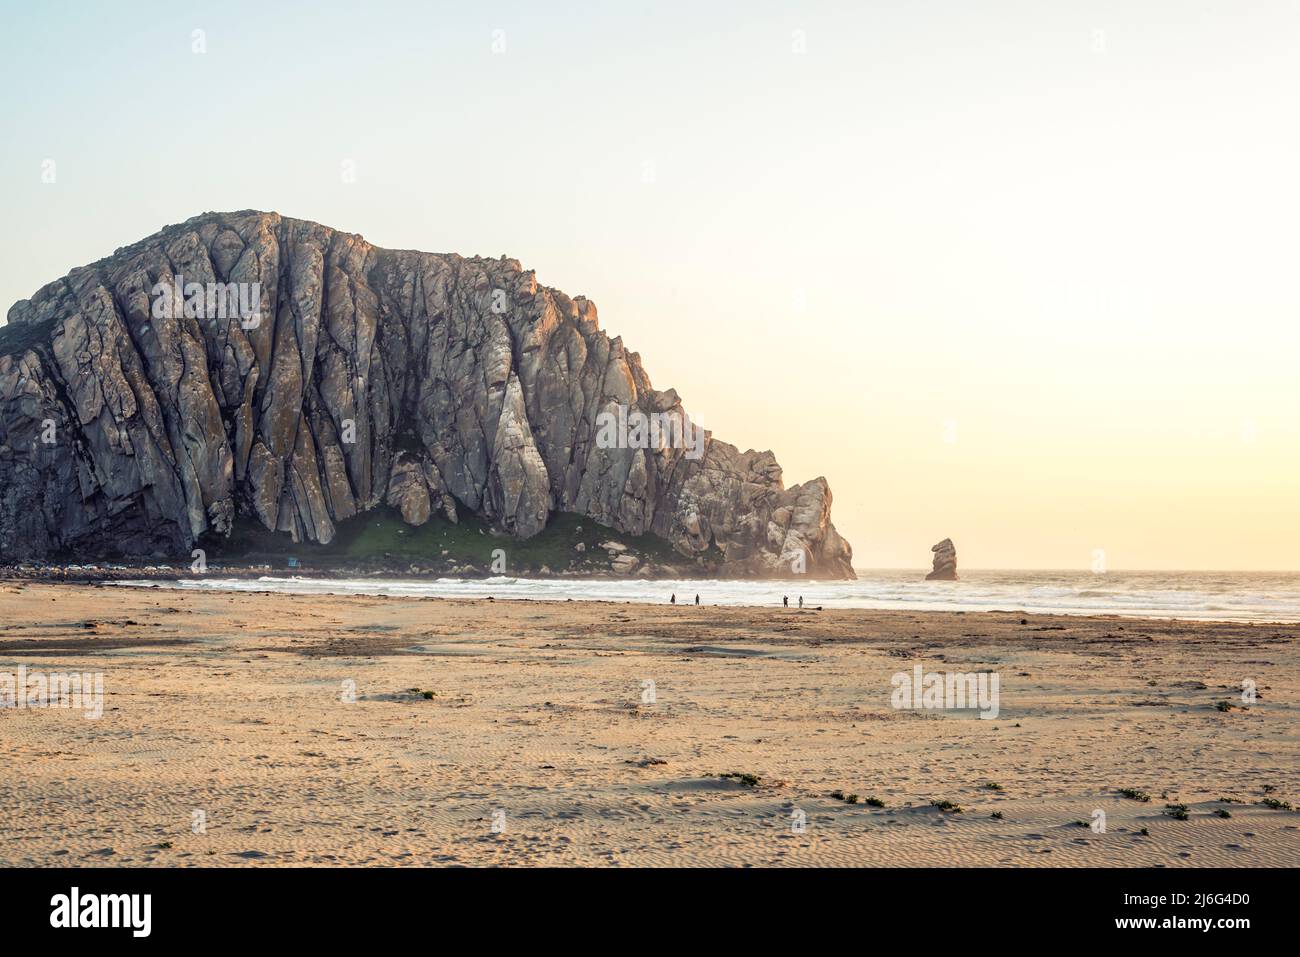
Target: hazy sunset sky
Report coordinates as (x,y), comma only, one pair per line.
(1019,273)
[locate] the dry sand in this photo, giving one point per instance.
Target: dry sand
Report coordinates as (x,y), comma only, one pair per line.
(232,705)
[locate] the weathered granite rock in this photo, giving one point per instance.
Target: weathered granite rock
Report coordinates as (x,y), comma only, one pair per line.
(624,564)
(945,562)
(368,375)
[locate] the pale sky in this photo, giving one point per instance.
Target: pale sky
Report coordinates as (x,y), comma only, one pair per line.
(1017,273)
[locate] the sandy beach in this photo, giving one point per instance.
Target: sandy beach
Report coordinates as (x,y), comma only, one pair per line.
(305,730)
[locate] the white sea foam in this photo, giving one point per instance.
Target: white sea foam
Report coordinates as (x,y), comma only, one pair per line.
(1208,596)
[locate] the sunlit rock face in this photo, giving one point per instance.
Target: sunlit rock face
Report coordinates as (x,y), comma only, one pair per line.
(945,562)
(134,420)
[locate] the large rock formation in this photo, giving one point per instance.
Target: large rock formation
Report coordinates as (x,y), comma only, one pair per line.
(430,382)
(945,562)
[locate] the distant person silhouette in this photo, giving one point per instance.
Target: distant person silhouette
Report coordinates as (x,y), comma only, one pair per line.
(673,600)
(785,600)
(801,601)
(697,599)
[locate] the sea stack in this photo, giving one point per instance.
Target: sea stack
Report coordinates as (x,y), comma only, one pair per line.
(945,562)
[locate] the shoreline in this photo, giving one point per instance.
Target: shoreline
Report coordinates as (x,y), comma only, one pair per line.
(77,574)
(329,730)
(389,587)
(1271,598)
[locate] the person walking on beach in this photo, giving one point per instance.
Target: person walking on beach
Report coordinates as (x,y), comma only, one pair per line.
(673,600)
(801,601)
(697,599)
(785,600)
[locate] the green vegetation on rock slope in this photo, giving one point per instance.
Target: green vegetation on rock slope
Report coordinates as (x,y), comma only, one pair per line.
(380,539)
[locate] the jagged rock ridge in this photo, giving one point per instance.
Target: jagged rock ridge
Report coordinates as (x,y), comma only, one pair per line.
(424,381)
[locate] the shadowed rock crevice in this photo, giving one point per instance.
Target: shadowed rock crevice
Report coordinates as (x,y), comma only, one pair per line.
(373,376)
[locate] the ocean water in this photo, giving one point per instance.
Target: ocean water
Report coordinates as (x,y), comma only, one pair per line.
(1204,596)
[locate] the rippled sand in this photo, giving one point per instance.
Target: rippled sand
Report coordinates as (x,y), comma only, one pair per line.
(539,725)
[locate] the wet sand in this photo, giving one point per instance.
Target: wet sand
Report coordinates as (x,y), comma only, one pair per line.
(523,733)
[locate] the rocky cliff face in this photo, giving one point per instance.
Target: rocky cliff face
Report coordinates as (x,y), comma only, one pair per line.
(430,382)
